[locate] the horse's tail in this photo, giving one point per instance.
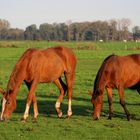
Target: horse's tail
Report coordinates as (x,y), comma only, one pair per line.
(99,75)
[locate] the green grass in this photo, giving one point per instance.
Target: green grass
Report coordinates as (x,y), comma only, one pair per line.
(81,126)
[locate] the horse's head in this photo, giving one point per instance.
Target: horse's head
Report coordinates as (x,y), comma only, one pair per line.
(97,101)
(8,105)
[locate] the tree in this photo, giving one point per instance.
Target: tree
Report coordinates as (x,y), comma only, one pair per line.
(46,31)
(62,31)
(75,31)
(136,32)
(31,32)
(15,34)
(68,23)
(123,25)
(112,29)
(4,26)
(79,31)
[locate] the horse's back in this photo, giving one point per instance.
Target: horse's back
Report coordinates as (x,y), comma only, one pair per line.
(134,59)
(68,57)
(123,69)
(123,63)
(64,54)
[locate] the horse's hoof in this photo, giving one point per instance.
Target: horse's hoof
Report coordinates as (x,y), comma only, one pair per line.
(60,114)
(96,119)
(69,114)
(34,120)
(3,120)
(109,118)
(128,118)
(68,117)
(23,120)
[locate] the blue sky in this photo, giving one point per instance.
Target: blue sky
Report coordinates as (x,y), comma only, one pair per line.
(22,13)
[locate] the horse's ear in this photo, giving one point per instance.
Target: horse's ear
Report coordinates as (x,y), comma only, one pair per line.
(90,92)
(2,91)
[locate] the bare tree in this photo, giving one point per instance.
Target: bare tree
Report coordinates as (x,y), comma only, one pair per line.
(123,25)
(4,24)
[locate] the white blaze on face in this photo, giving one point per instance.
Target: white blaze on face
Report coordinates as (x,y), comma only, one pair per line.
(3,107)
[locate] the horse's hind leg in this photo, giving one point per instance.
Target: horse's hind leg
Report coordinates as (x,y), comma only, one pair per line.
(122,102)
(63,84)
(109,95)
(31,98)
(62,87)
(69,80)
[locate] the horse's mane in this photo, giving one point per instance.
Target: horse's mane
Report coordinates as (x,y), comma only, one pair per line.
(99,73)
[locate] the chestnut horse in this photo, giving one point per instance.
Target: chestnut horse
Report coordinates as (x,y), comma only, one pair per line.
(115,72)
(40,66)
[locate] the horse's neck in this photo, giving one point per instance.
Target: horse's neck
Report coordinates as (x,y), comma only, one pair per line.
(15,82)
(100,82)
(103,81)
(101,85)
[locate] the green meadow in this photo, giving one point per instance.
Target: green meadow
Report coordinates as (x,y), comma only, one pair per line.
(81,126)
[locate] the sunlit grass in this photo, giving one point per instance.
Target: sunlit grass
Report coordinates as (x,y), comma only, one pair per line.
(81,125)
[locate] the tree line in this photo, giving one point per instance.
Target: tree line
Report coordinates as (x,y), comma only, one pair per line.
(77,31)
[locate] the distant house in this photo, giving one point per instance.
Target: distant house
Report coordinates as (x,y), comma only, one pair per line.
(130,37)
(136,37)
(133,37)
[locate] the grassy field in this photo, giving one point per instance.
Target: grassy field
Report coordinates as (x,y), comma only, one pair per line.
(81,126)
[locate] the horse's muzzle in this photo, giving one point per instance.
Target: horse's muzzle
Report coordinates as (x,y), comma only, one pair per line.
(3,119)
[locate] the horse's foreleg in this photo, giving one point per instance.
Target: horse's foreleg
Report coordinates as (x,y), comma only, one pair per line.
(35,107)
(60,98)
(28,103)
(31,97)
(122,102)
(109,95)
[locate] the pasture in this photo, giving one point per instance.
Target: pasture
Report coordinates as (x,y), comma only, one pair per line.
(81,126)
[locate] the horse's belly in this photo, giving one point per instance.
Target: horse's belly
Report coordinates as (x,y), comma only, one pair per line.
(131,82)
(50,76)
(47,79)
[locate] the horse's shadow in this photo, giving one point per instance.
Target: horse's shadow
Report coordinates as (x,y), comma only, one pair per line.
(122,115)
(47,106)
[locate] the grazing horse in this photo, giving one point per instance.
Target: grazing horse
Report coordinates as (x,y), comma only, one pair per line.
(40,66)
(115,72)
